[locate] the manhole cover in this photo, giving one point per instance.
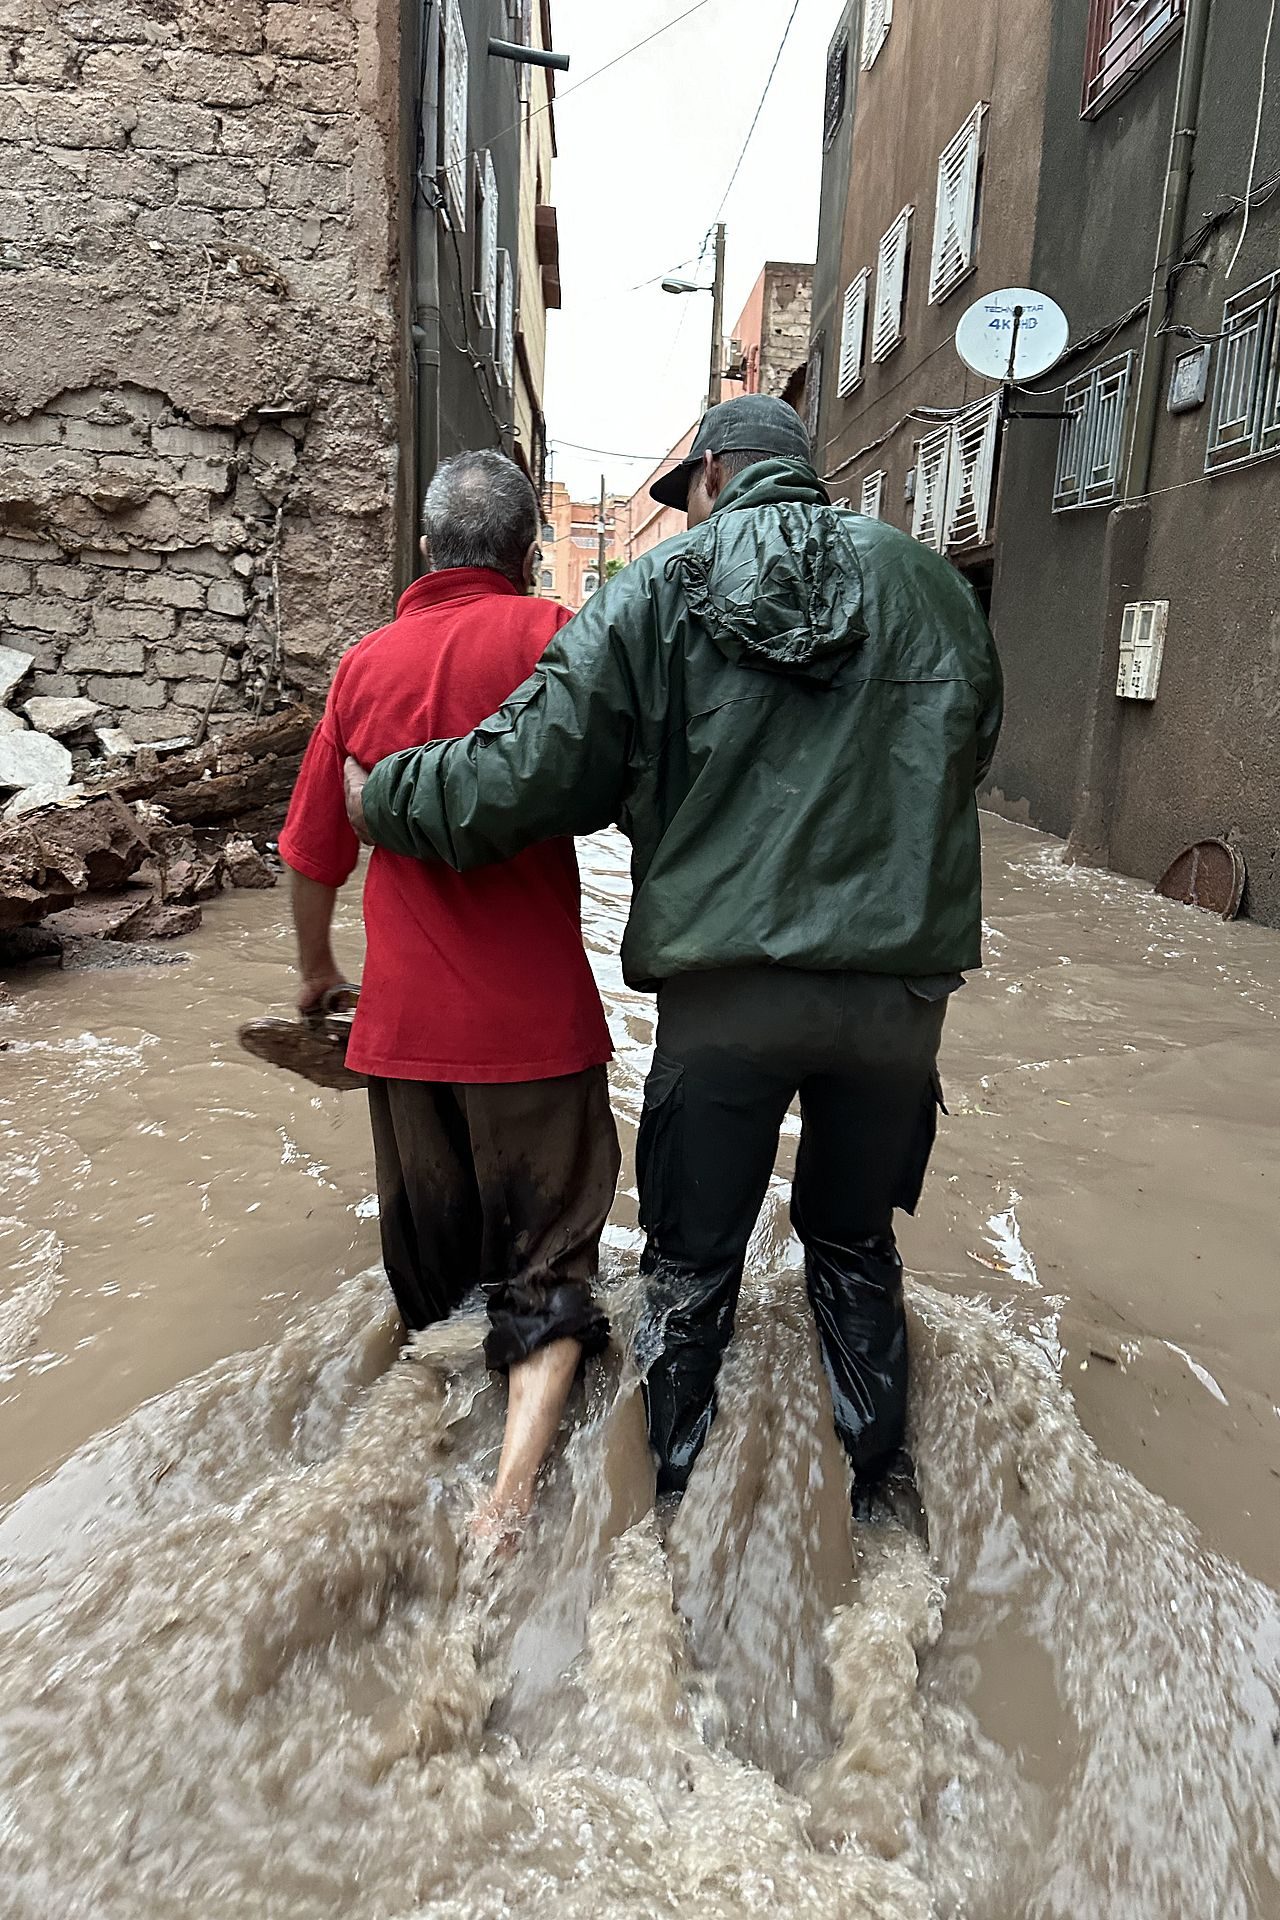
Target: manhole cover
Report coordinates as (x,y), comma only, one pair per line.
(1209,875)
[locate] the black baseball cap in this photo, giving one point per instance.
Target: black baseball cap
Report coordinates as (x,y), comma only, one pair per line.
(753,423)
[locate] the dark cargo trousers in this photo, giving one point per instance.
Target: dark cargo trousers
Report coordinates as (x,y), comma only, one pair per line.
(507,1186)
(734,1048)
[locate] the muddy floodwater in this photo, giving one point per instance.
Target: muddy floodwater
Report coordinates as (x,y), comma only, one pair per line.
(249,1668)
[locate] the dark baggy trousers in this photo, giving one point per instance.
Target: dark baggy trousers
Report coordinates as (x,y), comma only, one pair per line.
(734,1048)
(506,1185)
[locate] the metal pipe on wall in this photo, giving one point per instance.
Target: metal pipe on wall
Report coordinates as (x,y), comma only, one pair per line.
(425,19)
(1186,116)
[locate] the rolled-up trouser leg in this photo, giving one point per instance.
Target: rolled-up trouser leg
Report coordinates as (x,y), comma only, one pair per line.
(546,1160)
(708,1136)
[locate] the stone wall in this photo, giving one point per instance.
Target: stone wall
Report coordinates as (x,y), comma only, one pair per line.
(784,334)
(199,384)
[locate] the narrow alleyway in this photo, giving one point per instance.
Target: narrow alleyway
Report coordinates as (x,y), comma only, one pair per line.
(276,1539)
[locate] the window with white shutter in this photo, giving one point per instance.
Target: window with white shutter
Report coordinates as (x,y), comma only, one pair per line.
(891,286)
(872,503)
(853,333)
(486,230)
(971,471)
(955,217)
(876,19)
(506,321)
(456,79)
(928,515)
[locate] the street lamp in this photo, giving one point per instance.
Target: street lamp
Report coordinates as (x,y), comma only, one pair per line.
(716,290)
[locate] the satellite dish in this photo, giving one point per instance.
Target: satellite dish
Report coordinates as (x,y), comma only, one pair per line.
(1015,334)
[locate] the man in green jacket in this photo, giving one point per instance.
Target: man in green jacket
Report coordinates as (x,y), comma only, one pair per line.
(787,710)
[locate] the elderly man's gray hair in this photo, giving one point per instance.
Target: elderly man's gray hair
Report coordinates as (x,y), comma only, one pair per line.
(480,511)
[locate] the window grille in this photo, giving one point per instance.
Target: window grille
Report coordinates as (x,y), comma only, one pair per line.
(933,456)
(1245,419)
(1091,442)
(852,335)
(876,19)
(955,218)
(971,470)
(891,286)
(456,70)
(872,502)
(486,239)
(1124,37)
(837,85)
(506,355)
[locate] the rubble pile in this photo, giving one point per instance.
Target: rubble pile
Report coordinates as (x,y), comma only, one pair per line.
(103,839)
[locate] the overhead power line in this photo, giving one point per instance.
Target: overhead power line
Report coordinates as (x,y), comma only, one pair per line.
(755,118)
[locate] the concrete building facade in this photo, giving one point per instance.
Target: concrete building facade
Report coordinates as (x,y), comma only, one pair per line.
(245,310)
(1126,497)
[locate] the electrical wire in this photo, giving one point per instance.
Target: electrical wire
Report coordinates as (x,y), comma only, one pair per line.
(1257,135)
(755,118)
(609,453)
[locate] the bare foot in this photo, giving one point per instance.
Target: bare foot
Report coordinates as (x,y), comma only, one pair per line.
(498,1526)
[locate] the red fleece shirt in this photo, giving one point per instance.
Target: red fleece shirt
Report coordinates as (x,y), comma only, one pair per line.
(468,977)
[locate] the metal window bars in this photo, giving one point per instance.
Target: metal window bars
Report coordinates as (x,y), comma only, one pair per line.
(955,215)
(1244,421)
(891,286)
(837,84)
(487,239)
(1124,37)
(1091,442)
(506,343)
(852,335)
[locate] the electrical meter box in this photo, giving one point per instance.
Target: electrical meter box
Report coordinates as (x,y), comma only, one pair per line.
(1141,649)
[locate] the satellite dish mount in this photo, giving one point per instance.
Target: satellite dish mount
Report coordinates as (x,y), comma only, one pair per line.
(1013,335)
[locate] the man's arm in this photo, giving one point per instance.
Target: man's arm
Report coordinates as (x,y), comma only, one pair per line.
(313,904)
(553,761)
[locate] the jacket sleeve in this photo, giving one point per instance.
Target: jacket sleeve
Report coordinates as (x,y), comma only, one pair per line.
(552,762)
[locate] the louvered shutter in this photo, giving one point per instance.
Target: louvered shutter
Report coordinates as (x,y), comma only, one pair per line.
(875,29)
(953,225)
(891,279)
(487,280)
(456,72)
(506,321)
(971,469)
(872,503)
(852,335)
(933,455)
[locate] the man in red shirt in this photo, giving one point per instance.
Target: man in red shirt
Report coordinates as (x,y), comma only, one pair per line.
(479,1024)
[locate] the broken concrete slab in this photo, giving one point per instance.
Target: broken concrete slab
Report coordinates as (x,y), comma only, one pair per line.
(33,760)
(245,866)
(114,740)
(59,717)
(32,799)
(14,666)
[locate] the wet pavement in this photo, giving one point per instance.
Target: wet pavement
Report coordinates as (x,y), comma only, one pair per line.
(245,1663)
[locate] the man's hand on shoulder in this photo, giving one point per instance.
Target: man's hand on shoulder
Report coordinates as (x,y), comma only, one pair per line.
(353,779)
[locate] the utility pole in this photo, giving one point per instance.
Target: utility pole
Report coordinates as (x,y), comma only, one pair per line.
(600,531)
(717,321)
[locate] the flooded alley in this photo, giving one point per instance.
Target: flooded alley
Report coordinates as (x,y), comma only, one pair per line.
(248,1666)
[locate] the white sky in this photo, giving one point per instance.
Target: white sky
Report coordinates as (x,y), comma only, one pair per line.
(645,153)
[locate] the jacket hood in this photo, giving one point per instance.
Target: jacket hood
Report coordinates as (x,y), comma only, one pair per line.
(776,581)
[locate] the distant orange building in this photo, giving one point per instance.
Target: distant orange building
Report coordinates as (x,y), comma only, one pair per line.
(569,570)
(766,353)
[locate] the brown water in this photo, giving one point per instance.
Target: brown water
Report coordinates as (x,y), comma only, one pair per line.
(247,1669)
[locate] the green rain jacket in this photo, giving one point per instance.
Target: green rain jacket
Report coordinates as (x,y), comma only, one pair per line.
(786,710)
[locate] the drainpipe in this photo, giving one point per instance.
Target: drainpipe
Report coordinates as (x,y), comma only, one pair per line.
(420,39)
(1182,142)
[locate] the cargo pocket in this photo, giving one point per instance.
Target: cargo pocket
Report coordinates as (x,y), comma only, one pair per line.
(658,1145)
(920,1148)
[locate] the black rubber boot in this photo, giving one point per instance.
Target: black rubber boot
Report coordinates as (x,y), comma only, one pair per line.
(856,1294)
(687,1325)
